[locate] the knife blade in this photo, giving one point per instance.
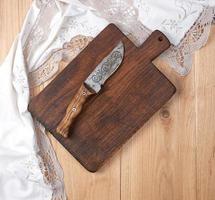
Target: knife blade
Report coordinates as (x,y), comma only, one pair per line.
(92,85)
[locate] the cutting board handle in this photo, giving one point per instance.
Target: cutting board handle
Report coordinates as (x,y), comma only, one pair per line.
(154,45)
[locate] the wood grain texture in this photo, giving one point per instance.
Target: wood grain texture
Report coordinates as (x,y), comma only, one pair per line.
(128,99)
(191,140)
(12,14)
(162,154)
(205,120)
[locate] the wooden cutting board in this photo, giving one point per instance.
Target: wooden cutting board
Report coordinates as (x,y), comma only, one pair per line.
(128,99)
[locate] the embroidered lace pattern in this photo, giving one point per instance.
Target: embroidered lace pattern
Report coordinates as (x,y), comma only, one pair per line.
(179,57)
(38,79)
(41,28)
(45,158)
(49,165)
(52,65)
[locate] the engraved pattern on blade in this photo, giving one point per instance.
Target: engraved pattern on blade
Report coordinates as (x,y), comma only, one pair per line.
(106,68)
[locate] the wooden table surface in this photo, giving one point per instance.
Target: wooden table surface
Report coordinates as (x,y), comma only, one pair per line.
(171,158)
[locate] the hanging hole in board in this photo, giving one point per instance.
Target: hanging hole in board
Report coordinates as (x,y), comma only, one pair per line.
(160,39)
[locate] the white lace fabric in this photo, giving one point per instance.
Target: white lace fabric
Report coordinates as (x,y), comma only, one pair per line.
(186,23)
(54,32)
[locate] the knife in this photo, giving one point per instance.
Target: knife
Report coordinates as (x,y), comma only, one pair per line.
(92,85)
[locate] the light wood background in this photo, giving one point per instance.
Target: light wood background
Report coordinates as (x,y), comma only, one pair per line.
(171,158)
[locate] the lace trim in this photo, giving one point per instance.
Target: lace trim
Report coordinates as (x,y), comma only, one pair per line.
(69,51)
(125,16)
(179,57)
(27,169)
(49,164)
(41,28)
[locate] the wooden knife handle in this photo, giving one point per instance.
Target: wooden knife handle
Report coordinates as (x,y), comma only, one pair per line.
(73,110)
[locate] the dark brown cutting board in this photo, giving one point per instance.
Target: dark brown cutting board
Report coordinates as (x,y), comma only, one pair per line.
(128,99)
